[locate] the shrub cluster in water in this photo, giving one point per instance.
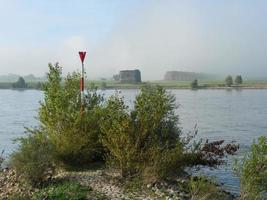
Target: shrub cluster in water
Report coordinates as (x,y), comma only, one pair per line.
(143,141)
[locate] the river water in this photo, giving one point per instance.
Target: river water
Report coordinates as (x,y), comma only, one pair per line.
(232,115)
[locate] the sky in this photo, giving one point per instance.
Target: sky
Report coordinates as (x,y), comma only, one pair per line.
(155,36)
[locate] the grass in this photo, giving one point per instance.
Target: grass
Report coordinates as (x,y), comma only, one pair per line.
(200,188)
(64,190)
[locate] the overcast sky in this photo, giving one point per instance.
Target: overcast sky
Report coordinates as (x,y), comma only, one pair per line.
(213,36)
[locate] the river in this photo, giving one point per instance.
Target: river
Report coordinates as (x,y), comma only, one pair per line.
(233,115)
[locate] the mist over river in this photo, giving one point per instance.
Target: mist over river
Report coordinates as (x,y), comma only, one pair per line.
(232,115)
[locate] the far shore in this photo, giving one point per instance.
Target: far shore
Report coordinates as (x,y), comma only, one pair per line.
(184,85)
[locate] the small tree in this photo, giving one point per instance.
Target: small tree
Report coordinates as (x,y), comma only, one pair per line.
(20,83)
(229,81)
(194,84)
(238,80)
(75,136)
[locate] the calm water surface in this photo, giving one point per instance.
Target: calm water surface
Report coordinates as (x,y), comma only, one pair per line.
(233,115)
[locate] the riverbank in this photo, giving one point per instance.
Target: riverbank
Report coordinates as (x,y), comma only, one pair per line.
(107,184)
(165,84)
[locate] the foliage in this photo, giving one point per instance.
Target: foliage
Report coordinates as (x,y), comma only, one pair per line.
(194,84)
(253,171)
(238,80)
(118,135)
(19,197)
(204,189)
(61,191)
(145,139)
(229,81)
(34,158)
(73,132)
(20,83)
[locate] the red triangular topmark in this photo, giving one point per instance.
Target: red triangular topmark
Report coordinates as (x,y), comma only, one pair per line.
(82,55)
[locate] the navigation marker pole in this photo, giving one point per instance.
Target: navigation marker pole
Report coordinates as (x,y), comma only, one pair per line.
(82,57)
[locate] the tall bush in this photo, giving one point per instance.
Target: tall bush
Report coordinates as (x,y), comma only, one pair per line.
(75,135)
(119,136)
(146,139)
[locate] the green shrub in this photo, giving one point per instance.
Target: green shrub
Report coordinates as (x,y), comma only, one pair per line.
(74,134)
(164,163)
(62,191)
(19,197)
(204,189)
(253,171)
(34,158)
(144,140)
(118,136)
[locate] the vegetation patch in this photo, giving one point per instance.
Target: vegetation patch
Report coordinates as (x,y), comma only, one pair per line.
(253,171)
(144,143)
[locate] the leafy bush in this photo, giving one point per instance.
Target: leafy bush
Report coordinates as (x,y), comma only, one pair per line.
(62,191)
(118,136)
(204,189)
(74,133)
(34,158)
(253,171)
(145,139)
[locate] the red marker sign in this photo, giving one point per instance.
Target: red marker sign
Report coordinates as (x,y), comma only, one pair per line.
(82,55)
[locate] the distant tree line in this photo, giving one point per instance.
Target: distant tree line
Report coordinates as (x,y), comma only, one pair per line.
(22,84)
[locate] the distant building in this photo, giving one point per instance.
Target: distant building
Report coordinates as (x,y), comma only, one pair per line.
(185,76)
(130,76)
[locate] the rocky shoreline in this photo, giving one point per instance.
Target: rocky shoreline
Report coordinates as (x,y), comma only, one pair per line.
(109,184)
